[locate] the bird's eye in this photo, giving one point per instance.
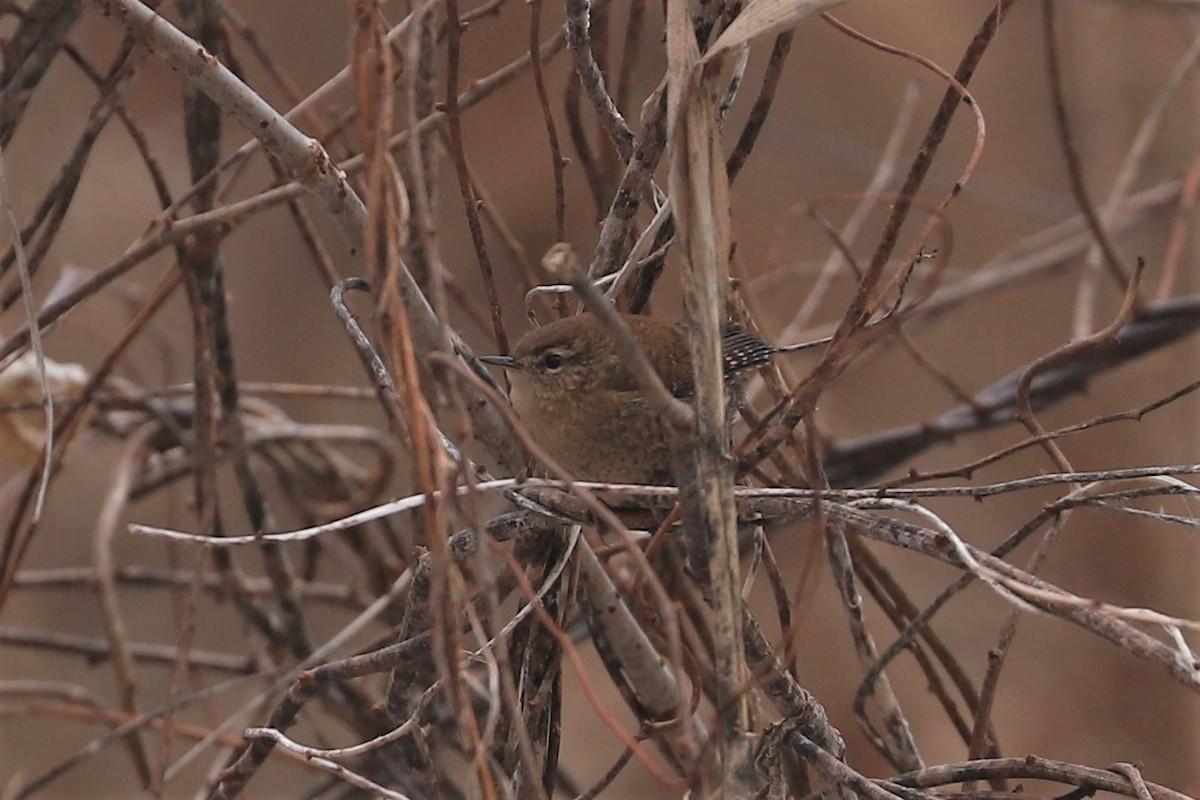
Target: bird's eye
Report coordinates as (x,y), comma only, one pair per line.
(552,361)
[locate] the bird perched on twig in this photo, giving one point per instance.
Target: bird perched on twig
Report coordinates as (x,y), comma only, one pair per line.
(580,401)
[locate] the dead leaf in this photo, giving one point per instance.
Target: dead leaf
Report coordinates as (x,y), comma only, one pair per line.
(762,17)
(23,433)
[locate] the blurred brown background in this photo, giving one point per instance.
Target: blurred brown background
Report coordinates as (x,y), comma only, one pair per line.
(1064,695)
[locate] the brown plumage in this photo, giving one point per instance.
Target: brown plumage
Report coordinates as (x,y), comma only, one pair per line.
(580,401)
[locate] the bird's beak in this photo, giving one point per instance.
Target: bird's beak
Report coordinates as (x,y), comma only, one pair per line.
(508,362)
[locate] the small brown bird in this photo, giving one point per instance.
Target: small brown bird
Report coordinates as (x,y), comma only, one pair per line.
(580,401)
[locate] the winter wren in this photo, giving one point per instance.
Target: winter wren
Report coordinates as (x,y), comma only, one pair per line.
(579,400)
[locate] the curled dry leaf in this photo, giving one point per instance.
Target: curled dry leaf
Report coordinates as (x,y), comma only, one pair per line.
(762,17)
(23,433)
